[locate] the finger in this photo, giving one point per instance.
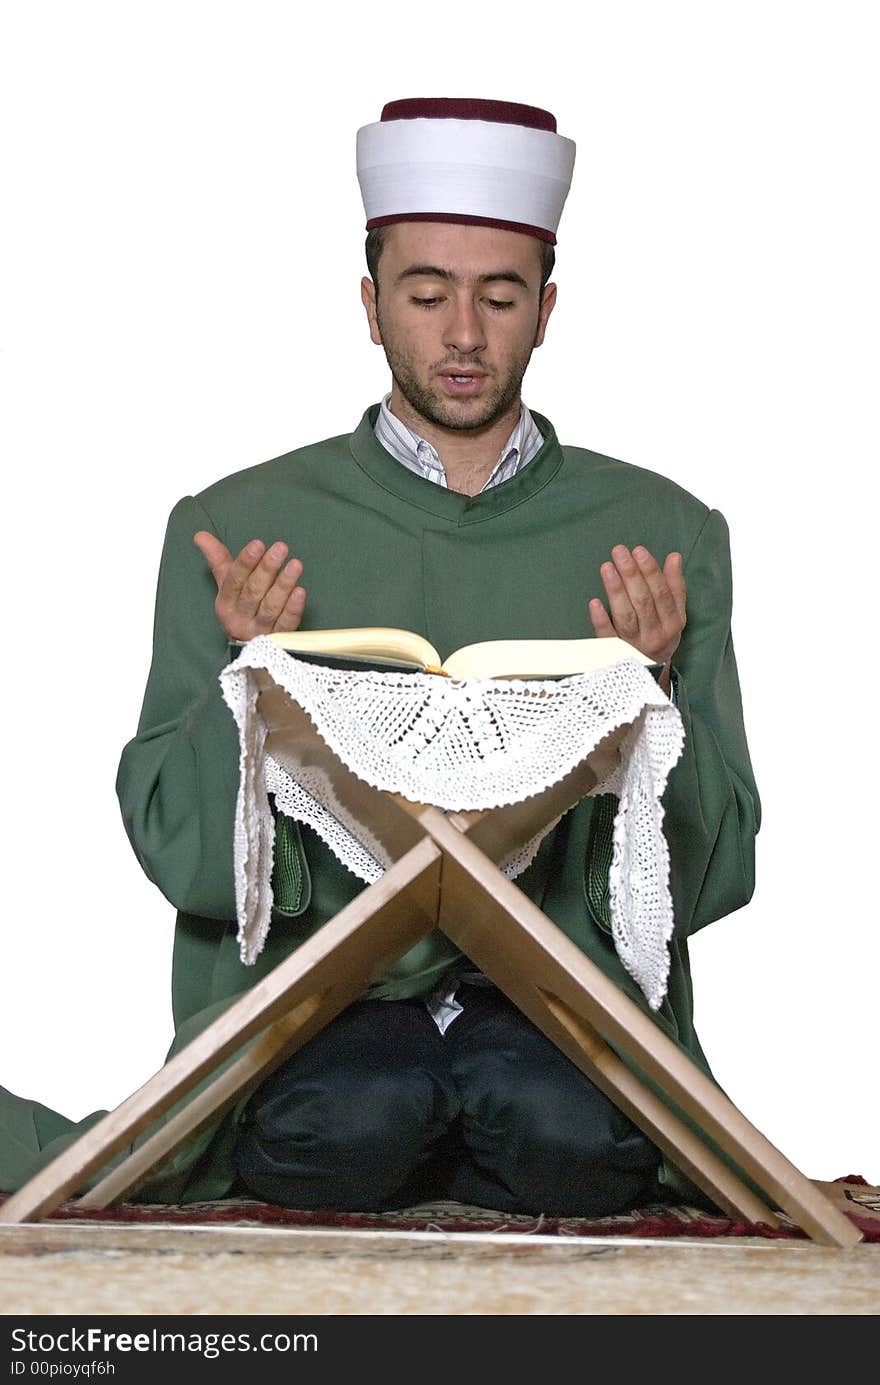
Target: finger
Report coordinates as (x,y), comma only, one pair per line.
(601,621)
(292,614)
(673,570)
(664,598)
(638,593)
(240,571)
(246,589)
(623,615)
(277,595)
(216,554)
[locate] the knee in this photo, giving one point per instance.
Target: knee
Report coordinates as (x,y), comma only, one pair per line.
(565,1156)
(372,1111)
(351,1146)
(584,1128)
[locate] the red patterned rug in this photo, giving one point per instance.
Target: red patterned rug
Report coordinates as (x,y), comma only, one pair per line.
(859,1199)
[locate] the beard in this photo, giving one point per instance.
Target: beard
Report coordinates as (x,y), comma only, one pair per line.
(496,399)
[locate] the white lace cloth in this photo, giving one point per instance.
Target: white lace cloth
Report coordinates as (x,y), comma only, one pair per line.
(460,744)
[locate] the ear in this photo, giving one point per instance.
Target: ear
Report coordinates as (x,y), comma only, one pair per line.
(548,302)
(368,298)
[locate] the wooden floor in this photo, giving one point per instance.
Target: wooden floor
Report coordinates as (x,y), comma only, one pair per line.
(116,1269)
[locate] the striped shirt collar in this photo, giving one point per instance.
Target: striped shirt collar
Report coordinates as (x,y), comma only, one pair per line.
(418,455)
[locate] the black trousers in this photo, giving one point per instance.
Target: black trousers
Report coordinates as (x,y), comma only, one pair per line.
(380,1110)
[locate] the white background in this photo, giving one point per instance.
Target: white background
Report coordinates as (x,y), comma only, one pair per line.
(183,248)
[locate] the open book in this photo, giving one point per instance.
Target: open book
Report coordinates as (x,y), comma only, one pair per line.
(386,648)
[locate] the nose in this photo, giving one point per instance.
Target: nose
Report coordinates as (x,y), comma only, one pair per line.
(463,329)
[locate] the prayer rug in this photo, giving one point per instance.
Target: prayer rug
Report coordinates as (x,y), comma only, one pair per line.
(859,1199)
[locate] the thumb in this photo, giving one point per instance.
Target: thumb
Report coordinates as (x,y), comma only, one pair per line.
(216,554)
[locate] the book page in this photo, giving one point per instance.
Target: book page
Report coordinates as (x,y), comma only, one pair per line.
(365,642)
(540,658)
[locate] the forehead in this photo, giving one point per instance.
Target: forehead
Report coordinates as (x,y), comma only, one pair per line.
(466,251)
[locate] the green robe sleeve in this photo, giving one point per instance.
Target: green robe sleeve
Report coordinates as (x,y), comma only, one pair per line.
(712,809)
(178,778)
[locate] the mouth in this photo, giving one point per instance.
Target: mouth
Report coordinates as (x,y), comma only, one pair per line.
(462,382)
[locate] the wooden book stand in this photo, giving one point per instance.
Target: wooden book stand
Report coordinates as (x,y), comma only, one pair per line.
(444,875)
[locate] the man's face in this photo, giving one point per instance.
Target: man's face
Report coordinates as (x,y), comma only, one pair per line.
(458,300)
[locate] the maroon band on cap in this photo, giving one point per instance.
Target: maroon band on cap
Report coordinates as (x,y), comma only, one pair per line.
(540,231)
(454,108)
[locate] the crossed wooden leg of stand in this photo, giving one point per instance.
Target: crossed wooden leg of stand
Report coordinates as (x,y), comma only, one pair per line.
(446,877)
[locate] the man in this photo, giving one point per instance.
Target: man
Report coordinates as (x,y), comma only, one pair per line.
(452,510)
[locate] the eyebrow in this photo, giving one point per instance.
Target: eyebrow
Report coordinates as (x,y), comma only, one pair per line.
(430,271)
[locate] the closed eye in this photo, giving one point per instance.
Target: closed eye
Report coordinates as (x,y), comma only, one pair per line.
(493,303)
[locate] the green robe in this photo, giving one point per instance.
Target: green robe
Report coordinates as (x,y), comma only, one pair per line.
(381,545)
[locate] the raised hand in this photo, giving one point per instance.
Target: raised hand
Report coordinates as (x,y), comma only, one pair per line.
(647,603)
(257,592)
